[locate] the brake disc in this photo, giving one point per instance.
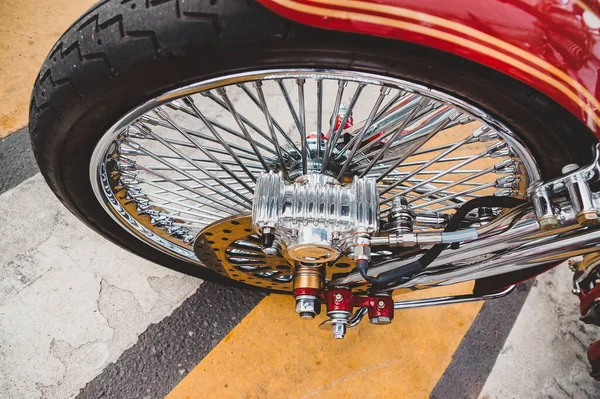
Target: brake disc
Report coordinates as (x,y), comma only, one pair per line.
(233,249)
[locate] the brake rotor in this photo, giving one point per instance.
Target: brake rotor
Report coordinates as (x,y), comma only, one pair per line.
(233,249)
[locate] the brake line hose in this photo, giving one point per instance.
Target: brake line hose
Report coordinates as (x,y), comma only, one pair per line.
(416,266)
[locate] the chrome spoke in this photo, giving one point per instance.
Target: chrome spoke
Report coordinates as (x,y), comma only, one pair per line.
(289,103)
(302,125)
(214,159)
(242,126)
(383,92)
(344,120)
(414,147)
(269,120)
(462,181)
(394,136)
(332,122)
(190,176)
(467,191)
(210,202)
(423,166)
(389,105)
(220,139)
(241,120)
(417,135)
(154,122)
(319,115)
(260,104)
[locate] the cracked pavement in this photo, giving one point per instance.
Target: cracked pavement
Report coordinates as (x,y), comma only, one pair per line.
(70,301)
(544,355)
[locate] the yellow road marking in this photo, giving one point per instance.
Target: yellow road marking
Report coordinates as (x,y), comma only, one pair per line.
(28,29)
(272,353)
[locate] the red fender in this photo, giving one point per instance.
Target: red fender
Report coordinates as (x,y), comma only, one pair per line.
(551,45)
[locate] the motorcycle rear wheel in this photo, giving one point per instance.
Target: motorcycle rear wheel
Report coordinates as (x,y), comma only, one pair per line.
(122,54)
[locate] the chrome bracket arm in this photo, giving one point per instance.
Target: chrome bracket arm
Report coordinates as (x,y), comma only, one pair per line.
(445,300)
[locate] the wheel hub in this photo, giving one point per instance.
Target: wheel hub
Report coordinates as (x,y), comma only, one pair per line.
(315,217)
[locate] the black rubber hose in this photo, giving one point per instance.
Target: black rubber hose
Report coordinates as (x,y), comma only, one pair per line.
(414,267)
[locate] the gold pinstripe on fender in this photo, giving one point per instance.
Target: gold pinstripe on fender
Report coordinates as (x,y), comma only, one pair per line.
(468,31)
(458,40)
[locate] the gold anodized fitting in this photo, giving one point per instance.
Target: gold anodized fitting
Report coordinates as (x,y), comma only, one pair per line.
(587,218)
(548,222)
(308,277)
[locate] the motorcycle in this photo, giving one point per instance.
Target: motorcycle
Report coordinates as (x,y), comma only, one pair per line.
(340,152)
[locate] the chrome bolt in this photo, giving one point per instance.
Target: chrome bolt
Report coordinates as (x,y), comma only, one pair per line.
(570,168)
(381,304)
(273,250)
(339,330)
(307,307)
(548,222)
(380,320)
(338,297)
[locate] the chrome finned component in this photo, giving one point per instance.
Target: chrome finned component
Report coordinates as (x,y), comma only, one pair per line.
(315,216)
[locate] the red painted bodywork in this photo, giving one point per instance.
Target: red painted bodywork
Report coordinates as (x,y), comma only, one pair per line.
(548,44)
(379,306)
(343,300)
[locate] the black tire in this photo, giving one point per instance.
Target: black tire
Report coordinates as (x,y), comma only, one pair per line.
(122,53)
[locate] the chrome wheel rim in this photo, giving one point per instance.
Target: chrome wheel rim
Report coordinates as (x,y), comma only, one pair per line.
(189,158)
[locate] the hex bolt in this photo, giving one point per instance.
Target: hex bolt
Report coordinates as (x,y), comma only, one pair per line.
(381,304)
(381,320)
(339,330)
(338,297)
